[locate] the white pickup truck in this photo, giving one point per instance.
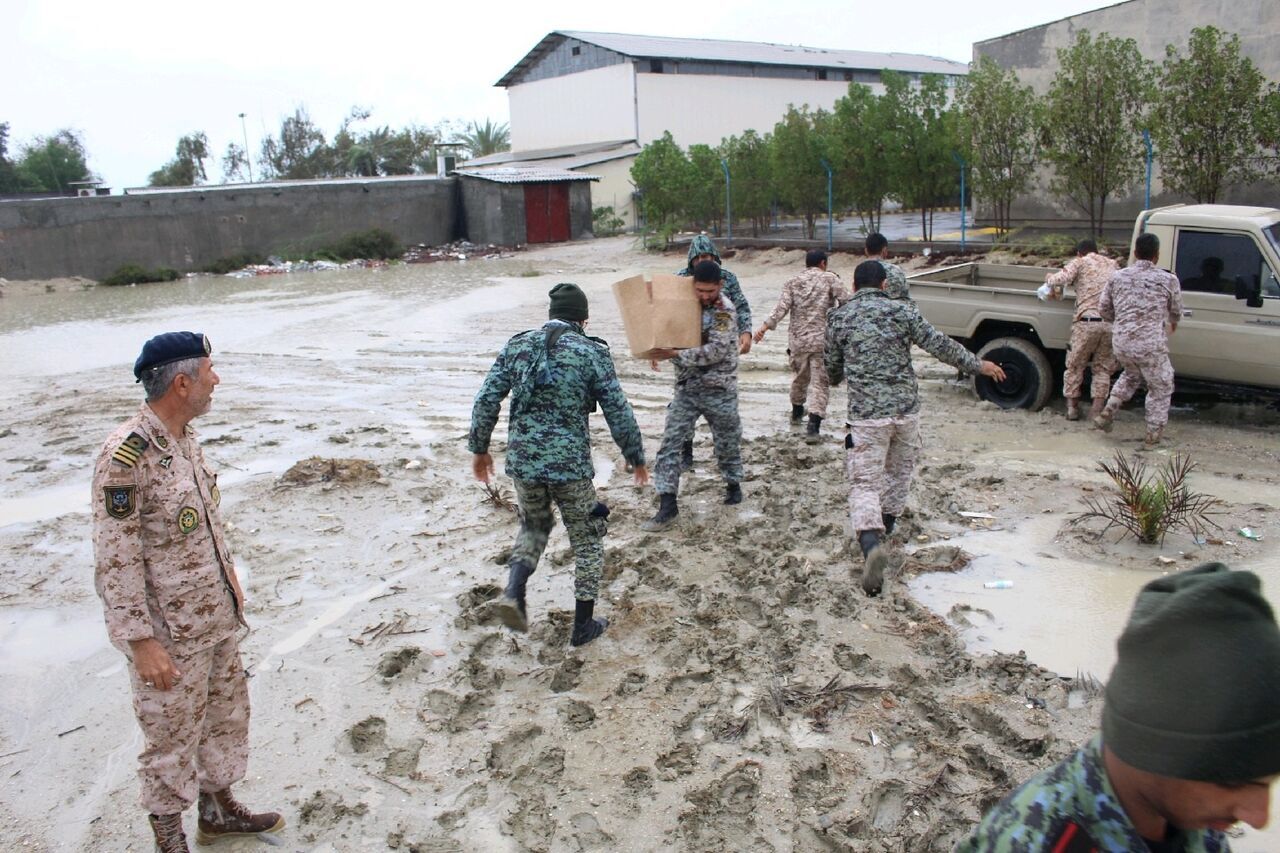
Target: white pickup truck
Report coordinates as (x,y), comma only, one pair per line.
(1228,342)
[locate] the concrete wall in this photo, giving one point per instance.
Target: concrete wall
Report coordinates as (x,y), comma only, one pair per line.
(185,230)
(493,212)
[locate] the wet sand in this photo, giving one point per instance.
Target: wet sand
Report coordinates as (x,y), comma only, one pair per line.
(746,695)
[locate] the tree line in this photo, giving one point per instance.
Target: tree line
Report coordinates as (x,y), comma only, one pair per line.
(1213,120)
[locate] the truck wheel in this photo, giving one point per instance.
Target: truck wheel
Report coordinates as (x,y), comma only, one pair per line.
(1028,380)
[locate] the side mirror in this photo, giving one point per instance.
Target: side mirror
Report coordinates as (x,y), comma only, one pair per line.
(1250,293)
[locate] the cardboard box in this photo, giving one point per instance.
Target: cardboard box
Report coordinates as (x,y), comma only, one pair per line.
(659,313)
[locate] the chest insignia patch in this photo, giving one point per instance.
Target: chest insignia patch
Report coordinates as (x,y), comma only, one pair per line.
(723,321)
(166,462)
(120,500)
(215,494)
(130,450)
(161,442)
(188,519)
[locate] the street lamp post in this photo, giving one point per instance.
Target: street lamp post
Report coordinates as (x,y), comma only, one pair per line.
(248,162)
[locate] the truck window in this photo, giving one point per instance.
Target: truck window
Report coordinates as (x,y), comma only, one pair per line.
(1210,262)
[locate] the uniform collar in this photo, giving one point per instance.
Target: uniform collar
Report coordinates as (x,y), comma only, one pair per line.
(155,431)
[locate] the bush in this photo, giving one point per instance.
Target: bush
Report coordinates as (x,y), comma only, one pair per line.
(134,274)
(606,223)
(231,263)
(374,244)
(1149,506)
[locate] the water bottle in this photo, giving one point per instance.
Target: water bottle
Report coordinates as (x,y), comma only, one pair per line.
(998,584)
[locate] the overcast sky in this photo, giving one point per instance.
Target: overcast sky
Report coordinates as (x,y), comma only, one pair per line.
(132,77)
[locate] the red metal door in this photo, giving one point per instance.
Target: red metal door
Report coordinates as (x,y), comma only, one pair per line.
(536,214)
(558,211)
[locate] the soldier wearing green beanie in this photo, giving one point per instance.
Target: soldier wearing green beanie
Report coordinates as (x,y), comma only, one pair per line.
(1190,740)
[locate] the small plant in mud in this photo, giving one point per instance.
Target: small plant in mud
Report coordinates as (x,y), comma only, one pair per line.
(1150,505)
(495,495)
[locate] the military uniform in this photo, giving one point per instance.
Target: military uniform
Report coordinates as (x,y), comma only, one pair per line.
(1072,808)
(895,284)
(702,245)
(1141,301)
(808,297)
(706,386)
(1090,344)
(556,375)
(868,346)
(163,571)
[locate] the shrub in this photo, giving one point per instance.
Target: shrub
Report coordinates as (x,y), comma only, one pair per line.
(1149,506)
(606,223)
(231,263)
(134,274)
(374,244)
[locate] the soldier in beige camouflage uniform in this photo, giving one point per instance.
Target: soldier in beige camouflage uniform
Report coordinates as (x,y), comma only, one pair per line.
(172,601)
(1144,305)
(1090,334)
(808,297)
(868,347)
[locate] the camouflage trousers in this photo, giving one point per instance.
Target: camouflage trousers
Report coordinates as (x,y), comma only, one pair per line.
(880,458)
(1090,347)
(196,732)
(576,499)
(810,388)
(1157,372)
(720,408)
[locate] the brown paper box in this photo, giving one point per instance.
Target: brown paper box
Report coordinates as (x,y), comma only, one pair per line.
(659,314)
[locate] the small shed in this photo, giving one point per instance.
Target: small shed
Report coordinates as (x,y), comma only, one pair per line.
(513,205)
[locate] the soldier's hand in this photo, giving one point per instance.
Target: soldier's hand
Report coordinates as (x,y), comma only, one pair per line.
(760,333)
(744,343)
(657,355)
(482,466)
(153,664)
(993,371)
(642,475)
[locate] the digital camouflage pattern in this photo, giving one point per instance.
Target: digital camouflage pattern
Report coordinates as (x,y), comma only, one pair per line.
(868,346)
(1089,274)
(880,457)
(1142,302)
(808,297)
(1090,346)
(1156,371)
(714,365)
(809,387)
(702,245)
(1038,816)
(552,394)
(895,285)
(576,499)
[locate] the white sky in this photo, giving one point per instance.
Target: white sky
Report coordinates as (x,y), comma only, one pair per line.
(135,75)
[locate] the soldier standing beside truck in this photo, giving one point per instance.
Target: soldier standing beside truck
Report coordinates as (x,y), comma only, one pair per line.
(1090,334)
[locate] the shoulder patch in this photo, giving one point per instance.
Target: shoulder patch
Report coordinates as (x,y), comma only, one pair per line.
(130,450)
(723,321)
(120,500)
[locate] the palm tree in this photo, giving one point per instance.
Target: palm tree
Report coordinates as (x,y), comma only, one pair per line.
(488,138)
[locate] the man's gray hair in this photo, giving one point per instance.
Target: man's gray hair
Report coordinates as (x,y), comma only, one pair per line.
(156,382)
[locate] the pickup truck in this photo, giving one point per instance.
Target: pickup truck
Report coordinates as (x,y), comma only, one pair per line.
(1227,259)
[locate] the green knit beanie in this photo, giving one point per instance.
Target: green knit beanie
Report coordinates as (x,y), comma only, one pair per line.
(1195,693)
(568,302)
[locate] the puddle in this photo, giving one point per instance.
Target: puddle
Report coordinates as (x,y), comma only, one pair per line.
(44,504)
(34,640)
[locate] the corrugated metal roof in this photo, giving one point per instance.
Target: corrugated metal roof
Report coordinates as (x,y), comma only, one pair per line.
(551,153)
(260,185)
(743,52)
(525,175)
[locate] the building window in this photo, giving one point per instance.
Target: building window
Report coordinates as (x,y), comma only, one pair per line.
(848,76)
(655,66)
(577,51)
(821,73)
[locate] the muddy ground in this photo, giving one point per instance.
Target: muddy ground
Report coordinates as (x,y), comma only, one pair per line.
(746,696)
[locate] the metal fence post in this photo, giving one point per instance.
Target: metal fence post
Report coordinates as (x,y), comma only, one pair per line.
(1146,140)
(728,209)
(827,166)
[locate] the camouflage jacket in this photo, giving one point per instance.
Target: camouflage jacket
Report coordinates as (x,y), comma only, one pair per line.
(869,342)
(161,563)
(808,297)
(733,290)
(556,375)
(895,286)
(714,365)
(1139,301)
(1089,274)
(1072,806)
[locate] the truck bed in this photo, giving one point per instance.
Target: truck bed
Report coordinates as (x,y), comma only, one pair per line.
(958,300)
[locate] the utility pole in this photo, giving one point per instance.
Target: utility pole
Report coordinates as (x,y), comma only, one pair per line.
(248,159)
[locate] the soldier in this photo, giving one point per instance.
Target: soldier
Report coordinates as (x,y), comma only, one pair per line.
(877,248)
(808,297)
(706,386)
(556,375)
(1145,304)
(1090,335)
(1190,740)
(868,344)
(172,601)
(702,249)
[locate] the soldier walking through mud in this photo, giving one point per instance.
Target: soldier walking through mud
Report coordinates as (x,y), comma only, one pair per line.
(1090,344)
(556,376)
(1144,305)
(877,248)
(172,601)
(706,386)
(1190,740)
(701,248)
(868,347)
(807,297)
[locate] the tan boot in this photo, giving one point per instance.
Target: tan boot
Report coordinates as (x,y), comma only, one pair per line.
(1104,419)
(222,817)
(1096,407)
(167,829)
(1153,437)
(1073,408)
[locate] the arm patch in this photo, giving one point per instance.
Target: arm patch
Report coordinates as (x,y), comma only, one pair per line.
(130,450)
(120,500)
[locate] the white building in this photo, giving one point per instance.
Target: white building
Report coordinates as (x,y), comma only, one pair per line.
(591,100)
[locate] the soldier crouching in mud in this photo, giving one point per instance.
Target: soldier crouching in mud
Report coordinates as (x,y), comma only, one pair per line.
(172,600)
(556,375)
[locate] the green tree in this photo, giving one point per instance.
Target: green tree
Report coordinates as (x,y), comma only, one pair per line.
(1209,118)
(8,174)
(921,131)
(1092,120)
(482,140)
(299,152)
(859,158)
(1269,131)
(704,204)
(997,128)
(751,175)
(800,143)
(186,169)
(52,163)
(235,164)
(662,175)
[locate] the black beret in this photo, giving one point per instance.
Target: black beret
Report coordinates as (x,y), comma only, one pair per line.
(170,347)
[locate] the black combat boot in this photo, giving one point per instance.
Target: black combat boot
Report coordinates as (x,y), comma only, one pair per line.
(667,512)
(874,560)
(167,829)
(222,817)
(813,432)
(686,455)
(733,493)
(889,522)
(586,629)
(511,607)
(797,413)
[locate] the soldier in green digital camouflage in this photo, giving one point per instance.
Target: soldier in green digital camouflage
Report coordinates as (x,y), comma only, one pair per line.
(1190,740)
(556,376)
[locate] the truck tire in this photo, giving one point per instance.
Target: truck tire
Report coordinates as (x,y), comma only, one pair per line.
(1028,380)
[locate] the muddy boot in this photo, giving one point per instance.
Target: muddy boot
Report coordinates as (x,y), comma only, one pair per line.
(222,817)
(875,559)
(667,512)
(733,494)
(1095,407)
(889,521)
(813,432)
(1105,419)
(586,629)
(511,607)
(797,413)
(167,829)
(686,455)
(1073,408)
(1153,437)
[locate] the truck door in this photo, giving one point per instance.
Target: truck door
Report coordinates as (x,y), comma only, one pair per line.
(1220,337)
